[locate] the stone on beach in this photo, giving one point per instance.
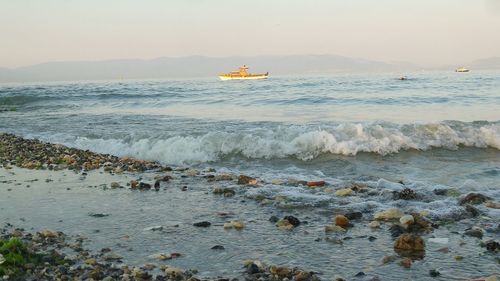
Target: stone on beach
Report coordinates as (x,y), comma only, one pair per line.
(410,245)
(47,233)
(341,220)
(315,183)
(354,215)
(406,194)
(374,224)
(202,224)
(492,246)
(389,214)
(406,220)
(242,179)
(284,225)
(474,232)
(238,225)
(473,198)
(344,192)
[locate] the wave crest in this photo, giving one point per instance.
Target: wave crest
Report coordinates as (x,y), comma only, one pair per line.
(301,142)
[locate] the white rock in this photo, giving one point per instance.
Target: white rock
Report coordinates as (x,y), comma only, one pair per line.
(154,228)
(192,172)
(407,220)
(344,192)
(393,213)
(374,224)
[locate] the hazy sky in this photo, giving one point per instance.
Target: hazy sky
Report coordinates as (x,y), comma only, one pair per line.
(427,32)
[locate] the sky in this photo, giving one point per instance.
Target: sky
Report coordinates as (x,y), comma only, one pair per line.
(426,32)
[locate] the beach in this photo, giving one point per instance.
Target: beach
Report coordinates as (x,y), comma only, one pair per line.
(139,220)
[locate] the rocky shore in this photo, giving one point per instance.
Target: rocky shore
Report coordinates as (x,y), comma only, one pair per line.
(34,154)
(50,255)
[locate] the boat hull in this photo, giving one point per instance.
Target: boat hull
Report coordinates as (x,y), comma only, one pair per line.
(252,77)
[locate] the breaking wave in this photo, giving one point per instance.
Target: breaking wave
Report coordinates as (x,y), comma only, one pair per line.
(300,142)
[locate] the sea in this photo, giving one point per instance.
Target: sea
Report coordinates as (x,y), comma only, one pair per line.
(435,130)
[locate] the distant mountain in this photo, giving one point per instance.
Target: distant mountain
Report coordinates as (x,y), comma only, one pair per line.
(489,63)
(194,66)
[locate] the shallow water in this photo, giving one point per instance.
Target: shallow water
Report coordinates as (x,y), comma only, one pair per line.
(51,205)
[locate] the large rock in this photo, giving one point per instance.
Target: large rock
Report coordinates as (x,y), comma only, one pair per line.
(389,214)
(410,245)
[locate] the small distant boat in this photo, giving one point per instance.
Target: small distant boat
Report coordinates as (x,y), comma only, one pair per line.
(242,74)
(462,69)
(403,78)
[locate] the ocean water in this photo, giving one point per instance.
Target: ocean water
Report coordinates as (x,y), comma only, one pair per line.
(436,130)
(313,124)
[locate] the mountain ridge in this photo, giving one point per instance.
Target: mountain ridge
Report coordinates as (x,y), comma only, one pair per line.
(203,66)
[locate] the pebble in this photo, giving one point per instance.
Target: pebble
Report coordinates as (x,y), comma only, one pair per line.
(474,232)
(341,220)
(406,220)
(192,172)
(389,214)
(234,224)
(374,224)
(354,215)
(292,220)
(344,192)
(473,198)
(284,225)
(218,247)
(315,183)
(406,194)
(409,242)
(434,273)
(242,179)
(202,224)
(492,246)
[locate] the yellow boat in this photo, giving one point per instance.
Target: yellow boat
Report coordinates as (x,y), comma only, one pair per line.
(242,74)
(461,69)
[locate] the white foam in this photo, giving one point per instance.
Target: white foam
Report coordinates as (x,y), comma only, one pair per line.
(302,142)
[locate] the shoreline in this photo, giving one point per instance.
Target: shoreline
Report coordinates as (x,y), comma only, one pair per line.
(406,232)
